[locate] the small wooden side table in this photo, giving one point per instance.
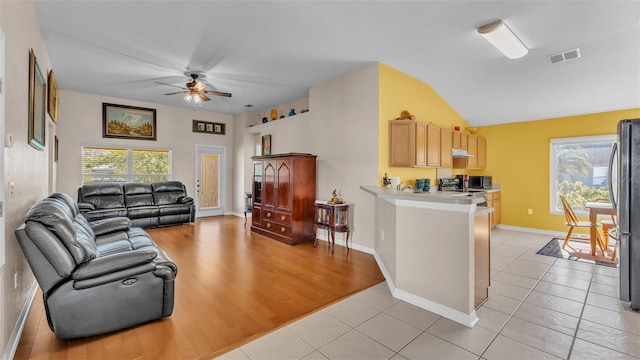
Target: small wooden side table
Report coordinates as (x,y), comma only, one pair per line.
(333,218)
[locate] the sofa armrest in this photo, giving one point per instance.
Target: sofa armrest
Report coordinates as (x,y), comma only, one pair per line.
(110,225)
(185,200)
(86,207)
(113,263)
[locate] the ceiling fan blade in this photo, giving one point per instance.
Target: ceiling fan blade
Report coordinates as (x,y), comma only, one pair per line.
(203,97)
(199,86)
(178,92)
(217,93)
(179,87)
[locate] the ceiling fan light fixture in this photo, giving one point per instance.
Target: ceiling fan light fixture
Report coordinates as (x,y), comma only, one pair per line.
(503,39)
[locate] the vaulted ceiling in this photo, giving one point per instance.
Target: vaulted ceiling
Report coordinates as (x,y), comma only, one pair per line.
(267,53)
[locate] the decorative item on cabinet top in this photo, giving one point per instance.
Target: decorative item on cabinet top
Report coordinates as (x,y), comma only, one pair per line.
(406,115)
(335,200)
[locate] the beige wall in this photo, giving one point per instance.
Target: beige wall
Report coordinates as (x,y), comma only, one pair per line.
(24,166)
(341,129)
(81,124)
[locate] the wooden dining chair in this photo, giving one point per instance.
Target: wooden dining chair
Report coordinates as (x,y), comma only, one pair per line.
(572,222)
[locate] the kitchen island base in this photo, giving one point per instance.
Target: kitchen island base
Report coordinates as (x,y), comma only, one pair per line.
(434,254)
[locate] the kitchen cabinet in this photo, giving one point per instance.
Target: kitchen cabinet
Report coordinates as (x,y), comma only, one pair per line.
(415,144)
(433,146)
(482,153)
(446,146)
(402,143)
(459,140)
(464,143)
(494,201)
(284,192)
(476,146)
(455,139)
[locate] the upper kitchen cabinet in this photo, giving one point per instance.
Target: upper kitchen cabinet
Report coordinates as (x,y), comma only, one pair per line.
(402,143)
(415,144)
(446,147)
(477,147)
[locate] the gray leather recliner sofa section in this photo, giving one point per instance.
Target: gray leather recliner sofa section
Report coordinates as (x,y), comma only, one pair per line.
(145,204)
(95,277)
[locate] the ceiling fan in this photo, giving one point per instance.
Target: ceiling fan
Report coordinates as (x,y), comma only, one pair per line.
(195,91)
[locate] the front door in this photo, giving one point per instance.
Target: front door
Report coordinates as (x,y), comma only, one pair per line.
(210,162)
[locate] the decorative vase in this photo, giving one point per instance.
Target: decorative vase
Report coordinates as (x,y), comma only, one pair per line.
(264,120)
(274,114)
(292,112)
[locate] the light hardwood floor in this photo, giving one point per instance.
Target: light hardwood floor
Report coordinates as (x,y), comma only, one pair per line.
(232,286)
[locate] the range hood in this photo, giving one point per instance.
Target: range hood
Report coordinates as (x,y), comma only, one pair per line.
(457,153)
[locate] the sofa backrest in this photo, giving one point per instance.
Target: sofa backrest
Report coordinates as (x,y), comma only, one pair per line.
(102,195)
(53,242)
(81,224)
(138,194)
(167,192)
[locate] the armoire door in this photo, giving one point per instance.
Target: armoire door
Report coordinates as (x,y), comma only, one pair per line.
(285,195)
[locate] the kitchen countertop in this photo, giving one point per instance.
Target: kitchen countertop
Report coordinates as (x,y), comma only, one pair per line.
(448,197)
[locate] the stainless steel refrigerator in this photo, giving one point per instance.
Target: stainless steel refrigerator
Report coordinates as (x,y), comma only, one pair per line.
(624,186)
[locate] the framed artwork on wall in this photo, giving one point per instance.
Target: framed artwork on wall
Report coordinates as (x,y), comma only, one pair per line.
(128,122)
(37,97)
(52,99)
(199,126)
(266,144)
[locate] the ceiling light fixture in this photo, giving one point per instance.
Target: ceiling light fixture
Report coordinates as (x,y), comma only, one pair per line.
(500,36)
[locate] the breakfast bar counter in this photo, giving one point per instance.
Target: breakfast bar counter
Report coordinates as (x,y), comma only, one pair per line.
(434,249)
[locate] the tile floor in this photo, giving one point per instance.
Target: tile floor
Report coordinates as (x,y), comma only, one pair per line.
(539,307)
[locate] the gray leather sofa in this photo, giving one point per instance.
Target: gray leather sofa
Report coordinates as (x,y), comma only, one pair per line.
(95,277)
(145,204)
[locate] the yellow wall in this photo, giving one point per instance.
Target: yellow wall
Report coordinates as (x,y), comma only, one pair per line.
(518,159)
(399,91)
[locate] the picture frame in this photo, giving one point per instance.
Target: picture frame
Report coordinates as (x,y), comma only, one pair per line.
(37,101)
(52,98)
(128,122)
(266,144)
(206,127)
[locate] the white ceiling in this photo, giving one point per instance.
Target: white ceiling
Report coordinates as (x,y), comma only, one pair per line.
(270,52)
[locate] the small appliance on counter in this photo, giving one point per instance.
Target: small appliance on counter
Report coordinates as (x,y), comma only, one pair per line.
(448,184)
(479,182)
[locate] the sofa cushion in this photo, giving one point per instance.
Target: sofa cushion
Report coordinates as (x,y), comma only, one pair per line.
(167,192)
(137,194)
(103,195)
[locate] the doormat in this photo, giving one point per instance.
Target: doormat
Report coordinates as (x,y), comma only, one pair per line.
(577,251)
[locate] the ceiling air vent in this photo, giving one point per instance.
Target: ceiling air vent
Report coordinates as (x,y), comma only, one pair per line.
(565,56)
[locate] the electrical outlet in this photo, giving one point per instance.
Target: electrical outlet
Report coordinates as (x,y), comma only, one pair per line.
(15,280)
(530,211)
(381,235)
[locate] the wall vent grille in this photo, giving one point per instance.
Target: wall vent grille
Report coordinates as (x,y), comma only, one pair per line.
(565,56)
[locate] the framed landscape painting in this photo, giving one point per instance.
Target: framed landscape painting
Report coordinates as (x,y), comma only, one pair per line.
(128,122)
(52,99)
(37,101)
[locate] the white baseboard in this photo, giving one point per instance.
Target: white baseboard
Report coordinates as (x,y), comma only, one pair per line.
(14,339)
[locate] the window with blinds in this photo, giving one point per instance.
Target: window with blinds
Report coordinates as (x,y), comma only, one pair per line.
(100,164)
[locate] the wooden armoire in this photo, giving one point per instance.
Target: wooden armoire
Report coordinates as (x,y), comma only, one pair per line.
(284,191)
